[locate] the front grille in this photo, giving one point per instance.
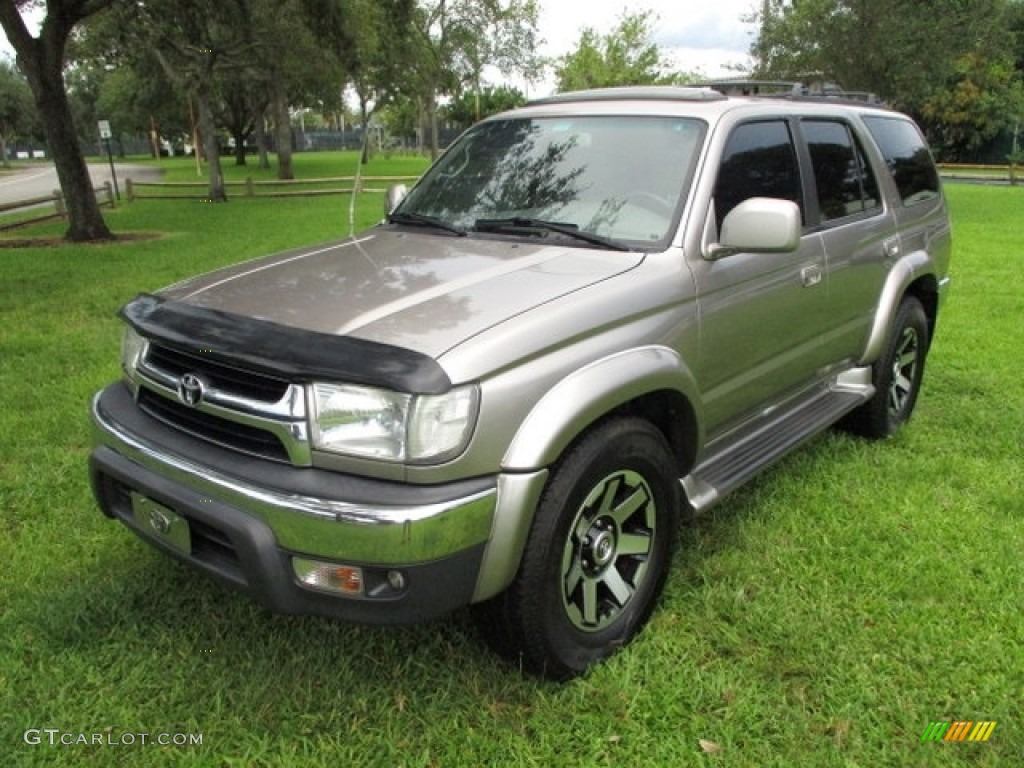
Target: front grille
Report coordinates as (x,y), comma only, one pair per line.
(241,383)
(215,429)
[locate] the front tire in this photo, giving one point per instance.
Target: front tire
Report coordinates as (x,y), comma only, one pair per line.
(597,554)
(896,375)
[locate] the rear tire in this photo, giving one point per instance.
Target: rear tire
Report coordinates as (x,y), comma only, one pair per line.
(896,375)
(597,554)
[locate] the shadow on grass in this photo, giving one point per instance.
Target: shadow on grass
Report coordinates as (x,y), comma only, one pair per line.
(56,241)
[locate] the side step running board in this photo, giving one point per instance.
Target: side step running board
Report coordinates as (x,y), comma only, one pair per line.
(761,444)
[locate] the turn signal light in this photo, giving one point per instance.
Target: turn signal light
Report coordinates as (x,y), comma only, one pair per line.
(331,577)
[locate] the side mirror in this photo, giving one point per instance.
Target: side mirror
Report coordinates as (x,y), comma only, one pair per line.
(758,225)
(395,194)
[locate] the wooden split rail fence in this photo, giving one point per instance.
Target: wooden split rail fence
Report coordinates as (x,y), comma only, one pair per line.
(177,190)
(104,196)
(1014,174)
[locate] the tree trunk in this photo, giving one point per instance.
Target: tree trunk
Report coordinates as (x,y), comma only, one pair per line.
(239,137)
(260,133)
(85,222)
(432,117)
(41,60)
(211,146)
(282,131)
(364,115)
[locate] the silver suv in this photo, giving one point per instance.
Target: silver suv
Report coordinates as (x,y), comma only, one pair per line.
(591,317)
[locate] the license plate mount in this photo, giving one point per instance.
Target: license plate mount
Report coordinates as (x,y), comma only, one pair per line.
(167,525)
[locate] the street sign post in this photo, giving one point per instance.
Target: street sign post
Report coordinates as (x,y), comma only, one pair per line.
(106,135)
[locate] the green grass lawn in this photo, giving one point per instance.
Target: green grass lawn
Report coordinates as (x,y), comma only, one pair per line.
(306,165)
(821,616)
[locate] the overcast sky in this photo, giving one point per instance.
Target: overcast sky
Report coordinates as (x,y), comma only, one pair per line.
(704,35)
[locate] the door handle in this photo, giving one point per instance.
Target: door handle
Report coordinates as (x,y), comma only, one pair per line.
(810,276)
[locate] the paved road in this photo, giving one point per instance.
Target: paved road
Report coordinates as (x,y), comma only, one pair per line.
(38,180)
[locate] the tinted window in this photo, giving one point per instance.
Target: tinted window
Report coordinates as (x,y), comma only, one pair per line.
(846,185)
(907,156)
(759,161)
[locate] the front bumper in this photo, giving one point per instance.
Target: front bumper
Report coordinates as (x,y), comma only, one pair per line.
(248,517)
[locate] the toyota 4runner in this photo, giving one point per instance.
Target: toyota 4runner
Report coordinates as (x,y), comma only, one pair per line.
(590,315)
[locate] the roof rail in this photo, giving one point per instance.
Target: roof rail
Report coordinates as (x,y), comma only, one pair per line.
(636,92)
(812,88)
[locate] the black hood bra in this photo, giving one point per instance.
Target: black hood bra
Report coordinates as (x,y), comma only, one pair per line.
(292,353)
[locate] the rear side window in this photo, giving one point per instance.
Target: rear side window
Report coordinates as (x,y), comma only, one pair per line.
(759,161)
(908,158)
(846,185)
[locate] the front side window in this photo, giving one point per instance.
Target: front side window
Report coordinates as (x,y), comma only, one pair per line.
(759,161)
(623,178)
(845,183)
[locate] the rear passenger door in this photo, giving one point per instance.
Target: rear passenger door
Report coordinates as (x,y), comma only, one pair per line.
(762,314)
(857,231)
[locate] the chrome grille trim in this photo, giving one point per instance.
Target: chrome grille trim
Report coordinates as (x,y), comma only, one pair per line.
(284,418)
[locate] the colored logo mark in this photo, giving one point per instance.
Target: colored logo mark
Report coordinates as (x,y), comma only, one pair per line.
(959,730)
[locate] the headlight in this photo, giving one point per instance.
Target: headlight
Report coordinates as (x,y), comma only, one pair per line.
(133,347)
(380,424)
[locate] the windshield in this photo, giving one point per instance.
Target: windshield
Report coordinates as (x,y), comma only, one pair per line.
(621,179)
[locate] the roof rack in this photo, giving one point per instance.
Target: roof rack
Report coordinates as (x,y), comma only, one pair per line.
(812,88)
(636,92)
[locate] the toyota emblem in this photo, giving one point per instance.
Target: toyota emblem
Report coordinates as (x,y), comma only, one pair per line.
(159,522)
(191,389)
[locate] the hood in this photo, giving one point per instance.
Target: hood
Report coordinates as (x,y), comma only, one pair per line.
(419,291)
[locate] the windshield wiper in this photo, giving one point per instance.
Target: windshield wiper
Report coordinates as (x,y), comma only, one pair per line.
(513,223)
(422,220)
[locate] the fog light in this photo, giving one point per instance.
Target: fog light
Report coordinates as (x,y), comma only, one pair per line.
(331,577)
(396,580)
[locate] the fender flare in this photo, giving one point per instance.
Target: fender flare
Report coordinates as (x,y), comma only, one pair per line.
(582,397)
(902,275)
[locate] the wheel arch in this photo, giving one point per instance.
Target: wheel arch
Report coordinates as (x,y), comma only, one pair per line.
(913,275)
(652,382)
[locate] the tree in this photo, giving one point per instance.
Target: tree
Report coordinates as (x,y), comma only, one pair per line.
(370,40)
(457,37)
(472,107)
(16,108)
(194,42)
(1015,26)
(285,46)
(625,56)
(41,60)
(904,51)
(981,99)
(135,97)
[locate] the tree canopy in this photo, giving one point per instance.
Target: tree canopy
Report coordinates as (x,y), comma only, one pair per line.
(17,116)
(956,65)
(625,56)
(247,66)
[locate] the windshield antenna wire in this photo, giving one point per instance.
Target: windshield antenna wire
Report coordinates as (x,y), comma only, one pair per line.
(356,186)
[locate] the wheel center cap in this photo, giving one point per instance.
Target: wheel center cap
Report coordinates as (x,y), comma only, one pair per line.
(602,548)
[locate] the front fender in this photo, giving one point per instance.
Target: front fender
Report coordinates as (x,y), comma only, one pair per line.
(585,395)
